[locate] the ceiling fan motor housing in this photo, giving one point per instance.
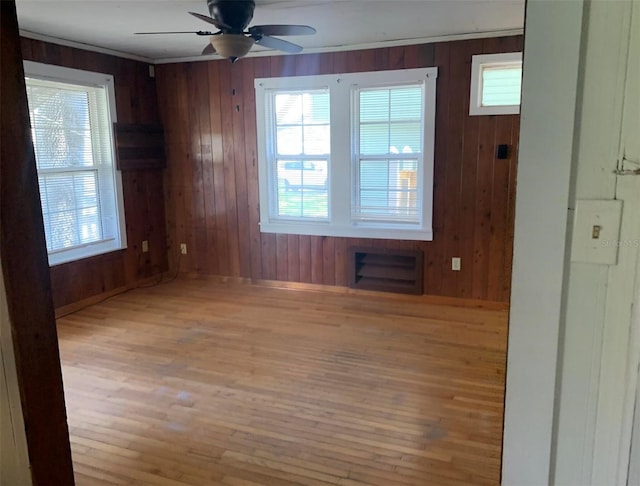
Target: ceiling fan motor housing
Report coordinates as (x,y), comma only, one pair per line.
(235,13)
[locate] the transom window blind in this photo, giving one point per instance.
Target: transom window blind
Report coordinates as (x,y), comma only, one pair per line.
(501,84)
(389,158)
(71,134)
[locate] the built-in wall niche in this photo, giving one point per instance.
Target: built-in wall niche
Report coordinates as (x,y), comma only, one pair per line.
(399,271)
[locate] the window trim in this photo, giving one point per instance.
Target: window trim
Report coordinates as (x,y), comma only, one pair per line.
(340,190)
(62,74)
(478,62)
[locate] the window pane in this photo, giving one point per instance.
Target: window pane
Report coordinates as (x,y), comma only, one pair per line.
(501,86)
(374,139)
(388,191)
(60,127)
(317,140)
(406,103)
(288,109)
(315,107)
(406,138)
(289,141)
(374,105)
(302,189)
(63,232)
(391,120)
(70,209)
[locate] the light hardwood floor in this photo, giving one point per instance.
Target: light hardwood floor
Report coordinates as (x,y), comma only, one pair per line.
(199,382)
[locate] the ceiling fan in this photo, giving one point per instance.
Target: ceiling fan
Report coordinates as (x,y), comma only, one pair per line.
(233,40)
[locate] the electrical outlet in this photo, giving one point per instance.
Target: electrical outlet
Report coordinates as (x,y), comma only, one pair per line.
(183,248)
(145,246)
(456,264)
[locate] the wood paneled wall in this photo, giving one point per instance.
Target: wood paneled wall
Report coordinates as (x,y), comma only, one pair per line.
(143,189)
(208,111)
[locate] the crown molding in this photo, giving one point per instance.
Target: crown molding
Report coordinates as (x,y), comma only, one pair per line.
(265,53)
(83,46)
(357,47)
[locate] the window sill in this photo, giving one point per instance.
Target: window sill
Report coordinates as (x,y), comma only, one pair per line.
(84,252)
(326,229)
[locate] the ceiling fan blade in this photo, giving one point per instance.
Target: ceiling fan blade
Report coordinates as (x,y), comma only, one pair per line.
(212,21)
(282,30)
(197,32)
(208,50)
(275,43)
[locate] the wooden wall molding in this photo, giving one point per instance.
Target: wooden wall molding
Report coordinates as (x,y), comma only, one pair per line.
(65,310)
(208,112)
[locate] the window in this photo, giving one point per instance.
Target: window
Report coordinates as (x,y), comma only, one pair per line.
(348,154)
(496,81)
(71,114)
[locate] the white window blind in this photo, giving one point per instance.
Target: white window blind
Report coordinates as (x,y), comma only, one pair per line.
(390,138)
(71,132)
(301,153)
(501,84)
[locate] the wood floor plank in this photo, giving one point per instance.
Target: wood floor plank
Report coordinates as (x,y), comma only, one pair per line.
(201,382)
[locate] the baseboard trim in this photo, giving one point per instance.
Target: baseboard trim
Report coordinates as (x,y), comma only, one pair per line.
(310,287)
(67,309)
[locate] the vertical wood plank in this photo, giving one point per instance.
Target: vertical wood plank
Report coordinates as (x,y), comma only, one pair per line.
(208,229)
(240,159)
(229,162)
(328,261)
(482,217)
(251,158)
(317,264)
(217,156)
(282,256)
(197,239)
(293,261)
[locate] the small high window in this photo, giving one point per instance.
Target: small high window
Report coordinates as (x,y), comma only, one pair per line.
(496,81)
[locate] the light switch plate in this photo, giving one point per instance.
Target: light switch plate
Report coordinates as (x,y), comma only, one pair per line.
(596,232)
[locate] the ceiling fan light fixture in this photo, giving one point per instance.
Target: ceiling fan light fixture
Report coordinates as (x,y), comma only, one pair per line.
(232,46)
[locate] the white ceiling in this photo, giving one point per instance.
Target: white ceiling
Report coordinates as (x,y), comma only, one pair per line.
(110,24)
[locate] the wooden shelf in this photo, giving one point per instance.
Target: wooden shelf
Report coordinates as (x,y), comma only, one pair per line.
(399,271)
(139,147)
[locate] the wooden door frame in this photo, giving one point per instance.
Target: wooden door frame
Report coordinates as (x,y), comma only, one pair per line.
(25,269)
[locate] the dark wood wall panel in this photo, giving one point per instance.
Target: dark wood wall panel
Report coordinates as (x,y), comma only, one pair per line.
(208,111)
(25,276)
(143,189)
